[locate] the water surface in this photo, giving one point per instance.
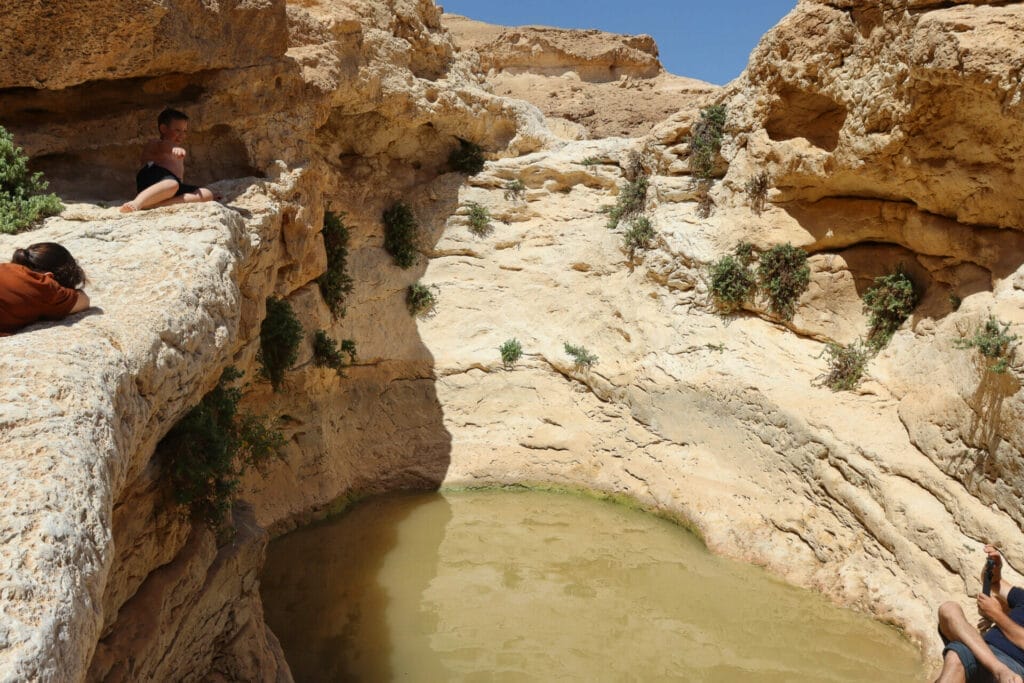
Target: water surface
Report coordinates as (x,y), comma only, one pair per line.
(528,586)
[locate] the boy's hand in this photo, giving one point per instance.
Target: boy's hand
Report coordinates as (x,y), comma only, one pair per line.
(989,607)
(180,153)
(997,564)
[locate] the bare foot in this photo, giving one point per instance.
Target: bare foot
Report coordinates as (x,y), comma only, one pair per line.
(129,207)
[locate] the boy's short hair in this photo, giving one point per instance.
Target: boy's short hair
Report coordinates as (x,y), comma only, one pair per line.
(168,115)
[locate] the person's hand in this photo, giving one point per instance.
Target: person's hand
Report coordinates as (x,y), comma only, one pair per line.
(989,606)
(179,152)
(992,553)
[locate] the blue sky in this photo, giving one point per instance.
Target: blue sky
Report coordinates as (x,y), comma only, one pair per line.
(705,39)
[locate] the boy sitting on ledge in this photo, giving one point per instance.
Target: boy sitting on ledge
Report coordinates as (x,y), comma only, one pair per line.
(159,182)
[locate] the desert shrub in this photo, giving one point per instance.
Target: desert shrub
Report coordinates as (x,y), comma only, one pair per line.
(335,283)
(420,299)
(732,283)
(784,275)
(401,232)
(515,190)
(510,351)
(280,336)
(468,158)
(639,234)
(582,359)
(955,301)
(706,140)
(745,252)
(327,354)
(846,365)
(757,191)
(632,198)
(888,302)
(479,219)
(590,161)
(23,198)
(993,341)
(210,448)
(705,204)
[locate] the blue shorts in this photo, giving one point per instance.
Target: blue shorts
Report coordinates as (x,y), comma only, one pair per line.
(151,174)
(975,672)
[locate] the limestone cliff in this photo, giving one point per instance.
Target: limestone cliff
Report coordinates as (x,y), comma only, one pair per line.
(886,128)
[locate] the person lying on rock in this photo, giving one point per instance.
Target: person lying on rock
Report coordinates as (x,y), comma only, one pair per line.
(998,655)
(159,182)
(41,282)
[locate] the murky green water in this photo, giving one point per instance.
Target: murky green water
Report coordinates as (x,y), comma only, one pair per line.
(526,586)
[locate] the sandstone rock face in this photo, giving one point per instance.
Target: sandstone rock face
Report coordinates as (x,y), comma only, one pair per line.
(886,129)
(601,84)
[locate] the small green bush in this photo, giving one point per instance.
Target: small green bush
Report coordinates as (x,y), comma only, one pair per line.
(479,219)
(582,358)
(280,336)
(335,283)
(210,448)
(639,234)
(757,191)
(955,301)
(706,140)
(515,190)
(420,299)
(326,353)
(401,233)
(468,158)
(846,365)
(590,161)
(23,201)
(705,204)
(888,302)
(994,343)
(511,351)
(732,283)
(631,201)
(784,275)
(745,252)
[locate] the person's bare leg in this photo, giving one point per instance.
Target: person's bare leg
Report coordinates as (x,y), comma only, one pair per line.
(154,195)
(954,625)
(200,195)
(952,669)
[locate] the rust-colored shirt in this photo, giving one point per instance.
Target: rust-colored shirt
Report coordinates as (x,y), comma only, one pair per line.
(27,296)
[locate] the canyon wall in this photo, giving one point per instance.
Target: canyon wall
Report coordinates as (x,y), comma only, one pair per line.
(885,128)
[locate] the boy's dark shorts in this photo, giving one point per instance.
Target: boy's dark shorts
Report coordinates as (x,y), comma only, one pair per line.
(151,174)
(975,672)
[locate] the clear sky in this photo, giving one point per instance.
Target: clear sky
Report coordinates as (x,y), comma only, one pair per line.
(705,39)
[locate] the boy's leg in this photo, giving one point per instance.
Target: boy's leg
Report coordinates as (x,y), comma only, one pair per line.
(952,669)
(954,625)
(155,194)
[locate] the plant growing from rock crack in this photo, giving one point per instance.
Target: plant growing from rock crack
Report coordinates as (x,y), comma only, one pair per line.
(631,201)
(889,301)
(420,299)
(210,448)
(732,283)
(590,161)
(705,204)
(846,365)
(326,353)
(23,198)
(993,342)
(479,219)
(335,282)
(706,140)
(784,275)
(582,359)
(401,232)
(468,158)
(515,190)
(639,234)
(757,191)
(511,351)
(280,335)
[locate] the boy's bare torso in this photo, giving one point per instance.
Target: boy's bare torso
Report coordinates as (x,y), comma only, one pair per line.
(165,153)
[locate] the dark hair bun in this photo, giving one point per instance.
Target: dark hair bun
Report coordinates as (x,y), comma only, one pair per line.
(22,258)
